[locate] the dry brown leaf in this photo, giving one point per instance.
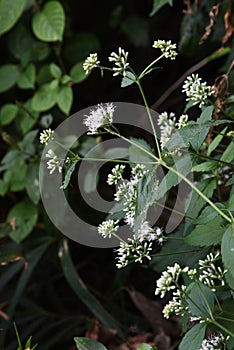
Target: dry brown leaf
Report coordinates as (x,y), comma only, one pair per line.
(229,27)
(152,311)
(212,14)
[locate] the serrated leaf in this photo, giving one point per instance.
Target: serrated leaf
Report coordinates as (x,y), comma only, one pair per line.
(195,202)
(208,234)
(208,213)
(214,144)
(158,4)
(10,11)
(193,338)
(205,115)
(44,98)
(8,113)
(183,166)
(69,172)
(48,25)
(88,344)
(32,182)
(65,99)
(77,73)
(55,70)
(228,154)
(201,300)
(25,215)
(26,80)
(206,166)
(227,249)
(8,76)
(129,79)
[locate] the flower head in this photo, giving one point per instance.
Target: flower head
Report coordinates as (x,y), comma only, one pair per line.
(108,228)
(90,63)
(45,136)
(99,116)
(167,48)
(196,90)
(53,163)
(120,60)
(214,342)
(116,175)
(167,124)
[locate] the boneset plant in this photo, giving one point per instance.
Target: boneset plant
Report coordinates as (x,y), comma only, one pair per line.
(197,260)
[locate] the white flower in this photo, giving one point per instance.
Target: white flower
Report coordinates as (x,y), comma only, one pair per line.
(90,63)
(183,120)
(45,136)
(54,162)
(120,61)
(214,342)
(99,116)
(196,90)
(167,124)
(116,175)
(167,48)
(177,305)
(108,228)
(132,251)
(146,233)
(210,274)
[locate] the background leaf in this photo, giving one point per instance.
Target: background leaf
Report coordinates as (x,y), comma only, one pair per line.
(193,338)
(10,11)
(8,76)
(48,25)
(88,344)
(227,249)
(8,113)
(65,99)
(158,4)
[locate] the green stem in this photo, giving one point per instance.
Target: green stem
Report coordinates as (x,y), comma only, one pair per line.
(149,66)
(136,145)
(222,327)
(115,160)
(150,117)
(198,191)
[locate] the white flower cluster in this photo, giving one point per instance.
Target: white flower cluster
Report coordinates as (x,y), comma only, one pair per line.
(214,342)
(169,282)
(116,175)
(146,233)
(168,49)
(210,274)
(45,136)
(99,116)
(167,123)
(120,60)
(90,63)
(127,193)
(53,163)
(108,228)
(196,90)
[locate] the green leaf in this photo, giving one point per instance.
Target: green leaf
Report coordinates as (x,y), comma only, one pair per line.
(15,175)
(10,11)
(68,175)
(48,25)
(206,166)
(81,290)
(26,80)
(65,99)
(88,344)
(25,215)
(139,155)
(146,347)
(8,113)
(200,299)
(193,338)
(158,4)
(8,257)
(183,166)
(227,249)
(55,70)
(26,117)
(206,115)
(26,145)
(32,182)
(44,98)
(228,154)
(208,234)
(77,73)
(91,180)
(214,144)
(208,213)
(137,30)
(129,79)
(195,202)
(116,153)
(3,187)
(8,76)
